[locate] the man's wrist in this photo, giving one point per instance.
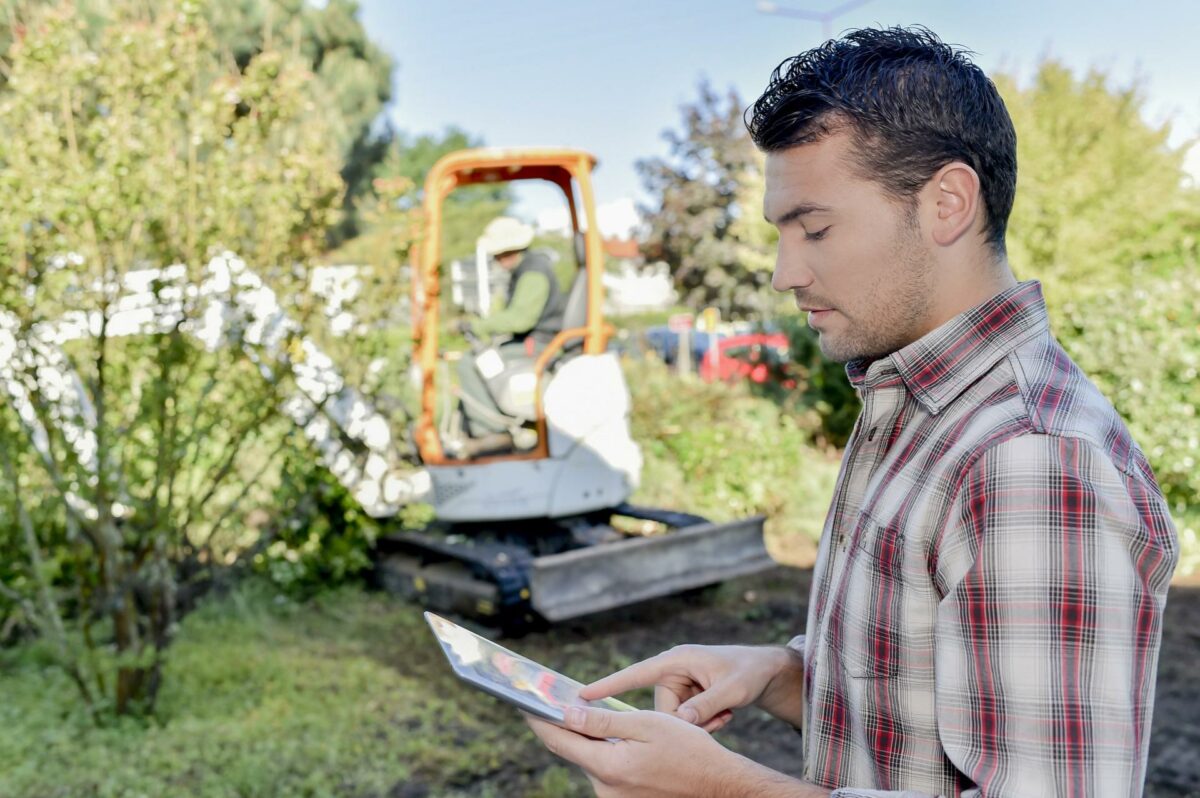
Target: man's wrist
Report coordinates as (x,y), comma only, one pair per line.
(745,778)
(783,693)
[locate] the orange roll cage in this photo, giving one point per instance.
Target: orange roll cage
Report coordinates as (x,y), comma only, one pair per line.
(566,168)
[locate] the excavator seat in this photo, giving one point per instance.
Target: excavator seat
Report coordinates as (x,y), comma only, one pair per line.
(514,385)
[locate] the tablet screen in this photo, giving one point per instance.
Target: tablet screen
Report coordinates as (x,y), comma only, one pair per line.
(509,676)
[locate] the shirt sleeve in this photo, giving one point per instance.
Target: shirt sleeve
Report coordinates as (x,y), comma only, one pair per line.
(798,644)
(1053,570)
(524,308)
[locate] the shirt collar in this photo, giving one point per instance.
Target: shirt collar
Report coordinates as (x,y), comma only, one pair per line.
(940,365)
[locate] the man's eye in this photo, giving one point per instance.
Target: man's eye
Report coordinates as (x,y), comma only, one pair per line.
(818,235)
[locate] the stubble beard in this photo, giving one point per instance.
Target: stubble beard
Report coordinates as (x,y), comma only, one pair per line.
(892,311)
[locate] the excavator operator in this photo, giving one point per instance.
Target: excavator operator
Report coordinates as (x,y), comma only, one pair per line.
(531,316)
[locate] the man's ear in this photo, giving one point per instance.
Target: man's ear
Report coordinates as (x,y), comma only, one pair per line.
(952,200)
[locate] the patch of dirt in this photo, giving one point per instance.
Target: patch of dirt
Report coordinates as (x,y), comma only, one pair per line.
(1175,739)
(769,609)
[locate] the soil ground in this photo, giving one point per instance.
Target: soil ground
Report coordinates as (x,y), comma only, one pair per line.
(771,608)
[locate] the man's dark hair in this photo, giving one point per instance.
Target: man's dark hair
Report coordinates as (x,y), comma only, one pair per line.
(913,104)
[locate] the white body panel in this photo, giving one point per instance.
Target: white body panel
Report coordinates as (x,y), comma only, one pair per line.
(594,462)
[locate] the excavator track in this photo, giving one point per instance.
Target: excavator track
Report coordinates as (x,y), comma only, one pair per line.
(523,574)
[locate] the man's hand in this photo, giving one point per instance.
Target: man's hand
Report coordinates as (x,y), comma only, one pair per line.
(704,684)
(655,756)
(471,329)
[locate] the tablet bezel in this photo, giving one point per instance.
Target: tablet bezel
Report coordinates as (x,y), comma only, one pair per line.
(521,699)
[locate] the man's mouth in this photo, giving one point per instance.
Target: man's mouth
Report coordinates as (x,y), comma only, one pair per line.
(806,306)
(817,316)
(816,313)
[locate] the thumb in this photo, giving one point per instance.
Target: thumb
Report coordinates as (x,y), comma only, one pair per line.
(603,724)
(703,707)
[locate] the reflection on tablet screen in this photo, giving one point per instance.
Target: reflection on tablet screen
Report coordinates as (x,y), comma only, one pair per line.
(509,676)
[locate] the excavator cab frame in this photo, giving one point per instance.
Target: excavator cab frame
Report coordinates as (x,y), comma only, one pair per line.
(571,171)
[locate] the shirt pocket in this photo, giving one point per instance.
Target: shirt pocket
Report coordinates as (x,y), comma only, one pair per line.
(873,602)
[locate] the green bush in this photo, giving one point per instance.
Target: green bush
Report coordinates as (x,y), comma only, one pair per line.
(1138,343)
(821,386)
(1140,346)
(326,540)
(720,451)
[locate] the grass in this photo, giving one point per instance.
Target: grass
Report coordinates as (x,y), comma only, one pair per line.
(264,697)
(344,695)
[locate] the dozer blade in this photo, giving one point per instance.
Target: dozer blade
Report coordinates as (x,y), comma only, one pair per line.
(597,578)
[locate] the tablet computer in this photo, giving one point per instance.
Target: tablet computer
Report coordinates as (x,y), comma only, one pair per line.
(509,676)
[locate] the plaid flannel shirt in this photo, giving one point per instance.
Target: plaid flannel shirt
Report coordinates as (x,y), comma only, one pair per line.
(988,595)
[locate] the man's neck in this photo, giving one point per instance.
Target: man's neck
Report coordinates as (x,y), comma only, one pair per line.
(969,287)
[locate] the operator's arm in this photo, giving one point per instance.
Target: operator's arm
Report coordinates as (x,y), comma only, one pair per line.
(529,297)
(1053,569)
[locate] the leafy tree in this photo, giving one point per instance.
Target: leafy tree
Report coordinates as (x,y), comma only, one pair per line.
(1099,188)
(1105,217)
(708,226)
(412,157)
(467,210)
(754,237)
(353,77)
(140,151)
(703,199)
(399,189)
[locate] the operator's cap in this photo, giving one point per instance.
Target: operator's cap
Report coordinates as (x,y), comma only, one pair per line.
(505,234)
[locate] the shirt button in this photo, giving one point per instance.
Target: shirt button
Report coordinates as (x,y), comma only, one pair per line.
(871,434)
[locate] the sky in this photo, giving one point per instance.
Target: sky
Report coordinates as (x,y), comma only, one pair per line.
(610,76)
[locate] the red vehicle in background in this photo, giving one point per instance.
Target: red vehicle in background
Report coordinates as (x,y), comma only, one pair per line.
(735,351)
(754,356)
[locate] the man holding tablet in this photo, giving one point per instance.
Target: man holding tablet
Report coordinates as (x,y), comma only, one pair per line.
(988,594)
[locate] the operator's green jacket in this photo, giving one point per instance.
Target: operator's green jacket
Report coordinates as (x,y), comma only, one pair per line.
(536,299)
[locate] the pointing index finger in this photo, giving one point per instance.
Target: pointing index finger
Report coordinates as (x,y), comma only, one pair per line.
(640,674)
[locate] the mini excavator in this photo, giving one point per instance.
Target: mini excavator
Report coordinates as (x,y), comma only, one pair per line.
(544,532)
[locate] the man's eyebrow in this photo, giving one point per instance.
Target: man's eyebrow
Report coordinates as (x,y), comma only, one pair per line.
(795,213)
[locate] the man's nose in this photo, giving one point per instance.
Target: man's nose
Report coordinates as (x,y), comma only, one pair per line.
(790,272)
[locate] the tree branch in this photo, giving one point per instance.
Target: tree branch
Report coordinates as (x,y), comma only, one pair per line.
(233,505)
(247,431)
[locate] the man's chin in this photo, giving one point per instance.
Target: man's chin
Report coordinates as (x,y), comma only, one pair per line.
(843,352)
(832,351)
